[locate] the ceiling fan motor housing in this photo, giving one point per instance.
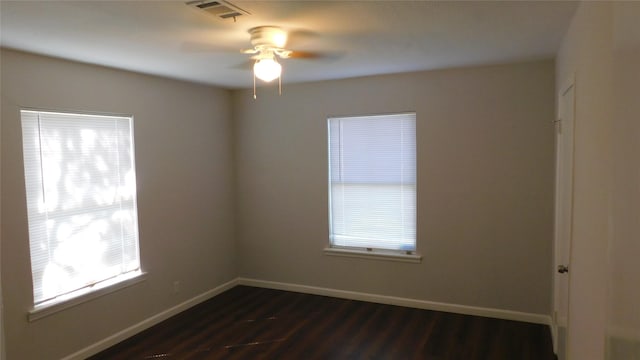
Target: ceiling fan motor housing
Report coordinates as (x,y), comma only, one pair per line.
(268,37)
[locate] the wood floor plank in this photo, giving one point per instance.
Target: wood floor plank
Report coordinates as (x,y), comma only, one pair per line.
(255,323)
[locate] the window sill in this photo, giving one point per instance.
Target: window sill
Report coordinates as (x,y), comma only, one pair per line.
(56,305)
(374,255)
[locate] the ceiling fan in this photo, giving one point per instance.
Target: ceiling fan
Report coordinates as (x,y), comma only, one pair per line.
(268,47)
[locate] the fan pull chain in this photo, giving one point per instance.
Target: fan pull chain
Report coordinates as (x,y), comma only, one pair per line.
(254,85)
(280,84)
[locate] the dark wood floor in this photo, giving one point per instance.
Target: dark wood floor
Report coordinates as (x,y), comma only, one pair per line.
(255,323)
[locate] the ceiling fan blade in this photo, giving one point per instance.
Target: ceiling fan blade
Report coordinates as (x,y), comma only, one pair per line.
(316,55)
(298,37)
(304,55)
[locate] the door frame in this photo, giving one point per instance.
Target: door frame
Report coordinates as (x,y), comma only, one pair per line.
(559,221)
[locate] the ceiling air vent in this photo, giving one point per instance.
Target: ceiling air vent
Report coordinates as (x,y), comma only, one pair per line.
(220,8)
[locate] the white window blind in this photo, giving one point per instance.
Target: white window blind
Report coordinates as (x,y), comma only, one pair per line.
(81,201)
(372,182)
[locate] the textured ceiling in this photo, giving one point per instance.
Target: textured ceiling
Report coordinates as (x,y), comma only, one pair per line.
(355,38)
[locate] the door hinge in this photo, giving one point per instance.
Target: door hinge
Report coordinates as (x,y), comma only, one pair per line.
(558,124)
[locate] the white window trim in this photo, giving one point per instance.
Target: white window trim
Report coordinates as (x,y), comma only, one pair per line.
(375,254)
(410,256)
(99,289)
(86,294)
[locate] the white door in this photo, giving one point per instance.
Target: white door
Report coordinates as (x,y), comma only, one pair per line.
(563,217)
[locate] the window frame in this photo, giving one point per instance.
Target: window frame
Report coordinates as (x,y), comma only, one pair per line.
(101,287)
(363,252)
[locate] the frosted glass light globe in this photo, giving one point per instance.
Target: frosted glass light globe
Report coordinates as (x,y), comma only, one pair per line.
(267,69)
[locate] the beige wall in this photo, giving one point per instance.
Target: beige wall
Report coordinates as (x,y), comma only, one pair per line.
(2,341)
(185,188)
(624,301)
(485,185)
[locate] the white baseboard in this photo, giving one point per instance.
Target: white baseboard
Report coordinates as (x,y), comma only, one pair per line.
(149,322)
(392,300)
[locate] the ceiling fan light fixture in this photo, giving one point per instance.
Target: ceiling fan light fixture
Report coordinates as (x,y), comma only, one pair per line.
(267,69)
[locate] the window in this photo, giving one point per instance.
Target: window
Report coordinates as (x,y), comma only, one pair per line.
(372,182)
(81,202)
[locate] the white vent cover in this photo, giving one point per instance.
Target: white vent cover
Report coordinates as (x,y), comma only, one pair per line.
(220,8)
